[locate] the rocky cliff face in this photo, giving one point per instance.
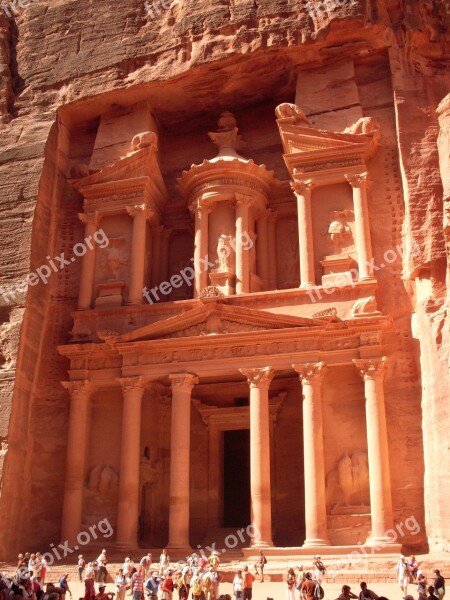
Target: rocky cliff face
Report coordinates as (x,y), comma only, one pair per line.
(64,65)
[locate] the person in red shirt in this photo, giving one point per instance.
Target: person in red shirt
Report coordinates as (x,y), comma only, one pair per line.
(308,587)
(248,584)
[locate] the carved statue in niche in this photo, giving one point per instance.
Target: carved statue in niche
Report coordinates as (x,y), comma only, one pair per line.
(224,248)
(339,230)
(347,486)
(113,258)
(103,481)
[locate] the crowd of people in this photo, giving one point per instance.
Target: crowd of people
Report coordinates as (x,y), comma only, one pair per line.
(196,578)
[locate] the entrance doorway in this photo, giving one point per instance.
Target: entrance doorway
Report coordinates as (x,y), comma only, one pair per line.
(236,478)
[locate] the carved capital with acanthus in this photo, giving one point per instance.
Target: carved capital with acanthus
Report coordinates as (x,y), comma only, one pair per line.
(302,188)
(78,389)
(357,179)
(201,207)
(139,210)
(90,218)
(310,373)
(131,386)
(258,378)
(183,382)
(243,199)
(371,368)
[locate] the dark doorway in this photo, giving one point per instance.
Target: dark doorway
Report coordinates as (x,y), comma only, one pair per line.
(236,478)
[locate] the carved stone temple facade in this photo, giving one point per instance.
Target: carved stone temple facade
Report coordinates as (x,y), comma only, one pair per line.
(232,347)
(249,324)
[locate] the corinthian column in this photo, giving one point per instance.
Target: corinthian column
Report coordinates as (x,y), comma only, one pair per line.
(127,512)
(314,465)
(140,213)
(182,385)
(76,458)
(362,224)
(259,381)
(242,254)
(91,222)
(201,247)
(262,247)
(303,191)
(372,372)
(272,250)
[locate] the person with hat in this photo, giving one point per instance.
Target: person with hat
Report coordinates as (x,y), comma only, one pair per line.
(151,586)
(102,595)
(102,562)
(319,569)
(121,585)
(308,587)
(346,593)
(81,567)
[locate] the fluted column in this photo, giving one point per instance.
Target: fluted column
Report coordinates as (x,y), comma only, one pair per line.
(362,224)
(128,511)
(91,222)
(272,250)
(201,247)
(260,490)
(303,192)
(372,372)
(77,443)
(140,213)
(182,384)
(314,465)
(262,247)
(242,254)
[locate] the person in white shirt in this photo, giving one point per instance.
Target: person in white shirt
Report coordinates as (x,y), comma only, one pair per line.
(164,562)
(102,562)
(403,574)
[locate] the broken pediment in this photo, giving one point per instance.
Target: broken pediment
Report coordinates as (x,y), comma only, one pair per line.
(214,318)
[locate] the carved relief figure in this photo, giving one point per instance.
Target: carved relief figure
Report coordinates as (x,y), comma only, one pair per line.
(348,484)
(224,252)
(113,258)
(103,481)
(339,230)
(291,113)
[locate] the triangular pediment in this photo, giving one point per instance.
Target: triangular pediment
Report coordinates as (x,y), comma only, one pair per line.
(305,139)
(138,170)
(214,318)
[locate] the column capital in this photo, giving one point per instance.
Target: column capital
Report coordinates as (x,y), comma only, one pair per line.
(129,384)
(258,378)
(310,373)
(200,206)
(357,179)
(243,199)
(77,388)
(139,210)
(183,381)
(302,187)
(264,214)
(90,218)
(371,368)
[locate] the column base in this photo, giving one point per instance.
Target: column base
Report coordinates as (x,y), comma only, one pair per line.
(315,543)
(384,542)
(262,544)
(307,285)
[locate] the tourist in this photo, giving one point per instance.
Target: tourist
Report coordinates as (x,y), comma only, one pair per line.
(137,584)
(214,560)
(197,585)
(238,583)
(121,585)
(261,562)
(413,566)
(127,568)
(89,583)
(308,587)
(439,585)
(402,571)
(301,576)
(81,567)
(166,586)
(151,586)
(203,562)
(89,574)
(421,583)
(366,593)
(187,578)
(319,569)
(431,593)
(102,562)
(146,563)
(164,562)
(102,595)
(96,569)
(247,589)
(290,584)
(211,584)
(346,593)
(44,570)
(63,584)
(37,567)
